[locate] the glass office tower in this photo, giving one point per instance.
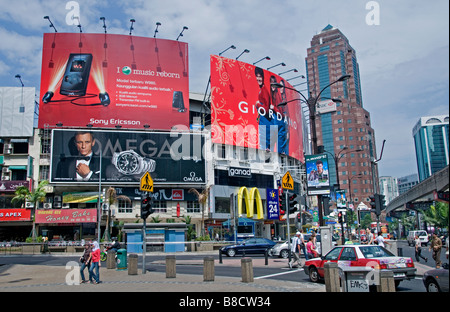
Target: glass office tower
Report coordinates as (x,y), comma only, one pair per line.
(431,143)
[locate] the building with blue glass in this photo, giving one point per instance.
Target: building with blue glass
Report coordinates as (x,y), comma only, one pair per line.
(431,143)
(343,127)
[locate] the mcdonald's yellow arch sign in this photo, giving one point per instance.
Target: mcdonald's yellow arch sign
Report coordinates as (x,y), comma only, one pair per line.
(250,198)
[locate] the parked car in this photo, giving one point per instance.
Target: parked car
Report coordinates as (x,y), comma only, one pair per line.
(281,249)
(373,256)
(436,280)
(423,236)
(255,245)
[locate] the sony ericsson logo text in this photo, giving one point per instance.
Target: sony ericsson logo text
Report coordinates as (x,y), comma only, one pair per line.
(127,70)
(239,172)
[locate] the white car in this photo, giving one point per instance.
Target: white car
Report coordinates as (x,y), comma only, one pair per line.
(423,236)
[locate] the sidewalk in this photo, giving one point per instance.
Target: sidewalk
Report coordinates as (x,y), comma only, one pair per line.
(42,278)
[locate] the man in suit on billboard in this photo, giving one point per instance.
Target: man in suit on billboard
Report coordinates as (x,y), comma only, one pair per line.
(83,167)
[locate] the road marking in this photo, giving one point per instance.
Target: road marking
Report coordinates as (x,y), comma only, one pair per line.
(276,274)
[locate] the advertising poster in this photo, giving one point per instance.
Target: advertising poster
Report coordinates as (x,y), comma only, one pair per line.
(273,209)
(66,215)
(126,156)
(109,80)
(341,201)
(318,179)
(247,111)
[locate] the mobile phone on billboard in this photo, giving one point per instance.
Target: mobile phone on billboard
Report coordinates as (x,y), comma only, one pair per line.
(76,75)
(178,102)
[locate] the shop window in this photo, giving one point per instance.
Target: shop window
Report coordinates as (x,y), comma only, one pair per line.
(193,207)
(159,206)
(124,206)
(222,205)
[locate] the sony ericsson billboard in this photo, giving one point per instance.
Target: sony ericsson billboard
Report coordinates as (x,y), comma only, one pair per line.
(118,157)
(108,80)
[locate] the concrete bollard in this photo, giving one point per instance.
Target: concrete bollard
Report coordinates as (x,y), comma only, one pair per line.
(171,269)
(132,264)
(208,269)
(110,259)
(331,272)
(247,270)
(387,283)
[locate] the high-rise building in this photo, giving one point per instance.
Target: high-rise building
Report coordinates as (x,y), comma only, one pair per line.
(344,130)
(389,188)
(407,182)
(431,142)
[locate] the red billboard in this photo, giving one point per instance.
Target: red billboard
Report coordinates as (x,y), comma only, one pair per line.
(247,111)
(19,214)
(108,80)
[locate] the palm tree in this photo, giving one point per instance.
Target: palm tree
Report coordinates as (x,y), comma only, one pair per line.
(38,195)
(437,215)
(202,198)
(111,199)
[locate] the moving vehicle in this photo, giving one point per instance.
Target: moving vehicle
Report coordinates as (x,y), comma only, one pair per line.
(255,245)
(281,249)
(373,256)
(436,280)
(423,236)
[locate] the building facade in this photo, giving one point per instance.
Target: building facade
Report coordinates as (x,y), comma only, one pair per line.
(431,144)
(345,130)
(389,188)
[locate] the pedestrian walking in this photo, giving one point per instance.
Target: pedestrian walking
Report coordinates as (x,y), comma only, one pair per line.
(381,241)
(311,249)
(435,247)
(94,277)
(303,244)
(295,250)
(418,248)
(85,262)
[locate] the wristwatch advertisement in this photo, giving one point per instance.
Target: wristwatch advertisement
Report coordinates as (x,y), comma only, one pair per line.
(130,163)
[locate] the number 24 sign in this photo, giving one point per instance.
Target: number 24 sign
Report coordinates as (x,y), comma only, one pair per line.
(273,211)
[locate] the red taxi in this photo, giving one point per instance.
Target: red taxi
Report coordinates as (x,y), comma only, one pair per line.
(373,256)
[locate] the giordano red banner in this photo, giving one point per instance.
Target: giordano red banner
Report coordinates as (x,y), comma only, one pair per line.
(111,80)
(246,111)
(66,215)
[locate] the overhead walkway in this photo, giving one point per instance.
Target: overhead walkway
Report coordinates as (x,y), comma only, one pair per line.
(424,191)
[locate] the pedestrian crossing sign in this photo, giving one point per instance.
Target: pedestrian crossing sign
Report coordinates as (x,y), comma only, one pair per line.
(146,183)
(287,182)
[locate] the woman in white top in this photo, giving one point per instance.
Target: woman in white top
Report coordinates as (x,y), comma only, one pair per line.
(418,252)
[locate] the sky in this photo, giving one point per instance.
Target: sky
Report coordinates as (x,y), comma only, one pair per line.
(402,47)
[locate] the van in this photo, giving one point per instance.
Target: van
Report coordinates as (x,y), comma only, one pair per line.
(423,236)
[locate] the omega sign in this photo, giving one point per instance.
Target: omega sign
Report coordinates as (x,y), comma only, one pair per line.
(239,172)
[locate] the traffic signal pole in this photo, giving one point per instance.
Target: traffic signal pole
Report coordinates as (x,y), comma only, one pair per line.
(287,224)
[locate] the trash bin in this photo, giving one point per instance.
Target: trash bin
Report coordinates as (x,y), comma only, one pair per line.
(121,259)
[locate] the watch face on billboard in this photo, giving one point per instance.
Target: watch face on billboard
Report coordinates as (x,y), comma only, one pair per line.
(83,156)
(108,80)
(252,107)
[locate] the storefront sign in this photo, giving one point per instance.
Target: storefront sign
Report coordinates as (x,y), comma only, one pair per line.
(10,186)
(273,209)
(15,214)
(250,198)
(239,172)
(66,215)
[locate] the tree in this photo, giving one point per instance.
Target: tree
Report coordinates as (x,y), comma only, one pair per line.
(111,199)
(201,198)
(38,195)
(437,215)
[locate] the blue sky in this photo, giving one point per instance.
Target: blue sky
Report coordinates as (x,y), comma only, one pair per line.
(403,59)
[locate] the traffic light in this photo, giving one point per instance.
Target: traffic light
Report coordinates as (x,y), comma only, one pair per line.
(146,207)
(282,204)
(293,203)
(382,202)
(326,205)
(340,217)
(373,204)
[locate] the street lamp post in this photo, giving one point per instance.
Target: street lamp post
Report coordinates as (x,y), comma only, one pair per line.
(359,175)
(312,103)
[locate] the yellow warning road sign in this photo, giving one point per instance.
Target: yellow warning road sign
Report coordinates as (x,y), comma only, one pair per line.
(287,182)
(146,183)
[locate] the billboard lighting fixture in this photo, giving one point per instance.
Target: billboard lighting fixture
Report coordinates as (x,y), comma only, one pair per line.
(20,79)
(181,33)
(104,23)
(264,58)
(282,64)
(118,126)
(156,30)
(245,51)
(294,70)
(51,24)
(230,47)
(59,124)
(131,27)
(146,126)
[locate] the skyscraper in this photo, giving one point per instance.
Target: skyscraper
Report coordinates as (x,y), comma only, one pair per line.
(345,130)
(431,142)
